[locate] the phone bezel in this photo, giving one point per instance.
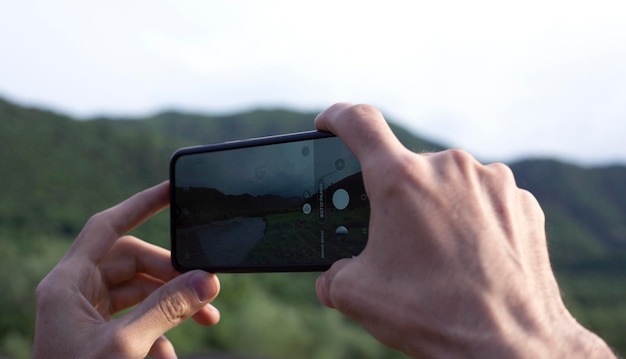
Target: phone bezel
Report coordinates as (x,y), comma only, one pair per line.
(253,142)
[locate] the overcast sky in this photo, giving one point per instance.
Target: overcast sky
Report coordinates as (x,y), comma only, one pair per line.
(501,79)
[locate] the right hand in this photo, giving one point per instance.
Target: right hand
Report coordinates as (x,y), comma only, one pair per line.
(456,262)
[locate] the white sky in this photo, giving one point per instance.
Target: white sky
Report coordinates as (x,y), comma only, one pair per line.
(501,79)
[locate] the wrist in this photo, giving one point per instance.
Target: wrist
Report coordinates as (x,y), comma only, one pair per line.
(567,340)
(585,344)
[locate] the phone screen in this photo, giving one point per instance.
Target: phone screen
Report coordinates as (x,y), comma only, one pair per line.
(257,206)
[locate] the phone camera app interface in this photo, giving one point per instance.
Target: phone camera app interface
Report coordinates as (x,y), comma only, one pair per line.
(293,203)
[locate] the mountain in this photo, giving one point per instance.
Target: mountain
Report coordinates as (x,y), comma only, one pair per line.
(57,171)
(83,166)
(585,209)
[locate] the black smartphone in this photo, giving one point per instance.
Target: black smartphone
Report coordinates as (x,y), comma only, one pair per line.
(284,203)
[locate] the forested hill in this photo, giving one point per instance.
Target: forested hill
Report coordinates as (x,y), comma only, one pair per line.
(56,171)
(593,199)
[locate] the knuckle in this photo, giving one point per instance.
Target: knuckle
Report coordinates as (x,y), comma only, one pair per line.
(173,307)
(128,242)
(501,170)
(455,163)
(96,219)
(404,166)
(102,222)
(531,206)
(460,157)
(399,170)
(360,110)
(353,115)
(97,222)
(44,291)
(48,291)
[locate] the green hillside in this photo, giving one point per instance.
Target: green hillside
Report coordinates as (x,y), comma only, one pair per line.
(586,226)
(56,172)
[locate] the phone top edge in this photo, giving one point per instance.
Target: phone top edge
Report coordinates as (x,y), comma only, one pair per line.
(251,142)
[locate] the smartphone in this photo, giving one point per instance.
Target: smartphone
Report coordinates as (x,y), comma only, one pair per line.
(284,203)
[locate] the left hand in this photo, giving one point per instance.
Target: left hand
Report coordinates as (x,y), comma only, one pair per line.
(105,272)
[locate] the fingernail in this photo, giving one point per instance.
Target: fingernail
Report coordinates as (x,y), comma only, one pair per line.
(212,308)
(202,286)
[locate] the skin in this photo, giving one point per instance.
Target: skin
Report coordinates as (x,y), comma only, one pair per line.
(456,265)
(105,272)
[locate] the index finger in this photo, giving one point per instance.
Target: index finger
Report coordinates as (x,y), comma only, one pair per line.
(361,127)
(104,228)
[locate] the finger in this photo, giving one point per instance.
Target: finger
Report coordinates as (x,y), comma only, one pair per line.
(170,305)
(321,288)
(104,228)
(324,282)
(162,349)
(130,256)
(208,315)
(361,127)
(131,292)
(139,288)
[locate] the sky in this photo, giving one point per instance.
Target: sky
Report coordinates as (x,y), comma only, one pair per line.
(501,79)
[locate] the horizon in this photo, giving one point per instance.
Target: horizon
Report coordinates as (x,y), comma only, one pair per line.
(435,141)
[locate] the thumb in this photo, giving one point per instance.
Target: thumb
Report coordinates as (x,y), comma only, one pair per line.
(324,282)
(170,305)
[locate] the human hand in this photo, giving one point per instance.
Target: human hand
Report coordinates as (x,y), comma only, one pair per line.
(456,263)
(105,272)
